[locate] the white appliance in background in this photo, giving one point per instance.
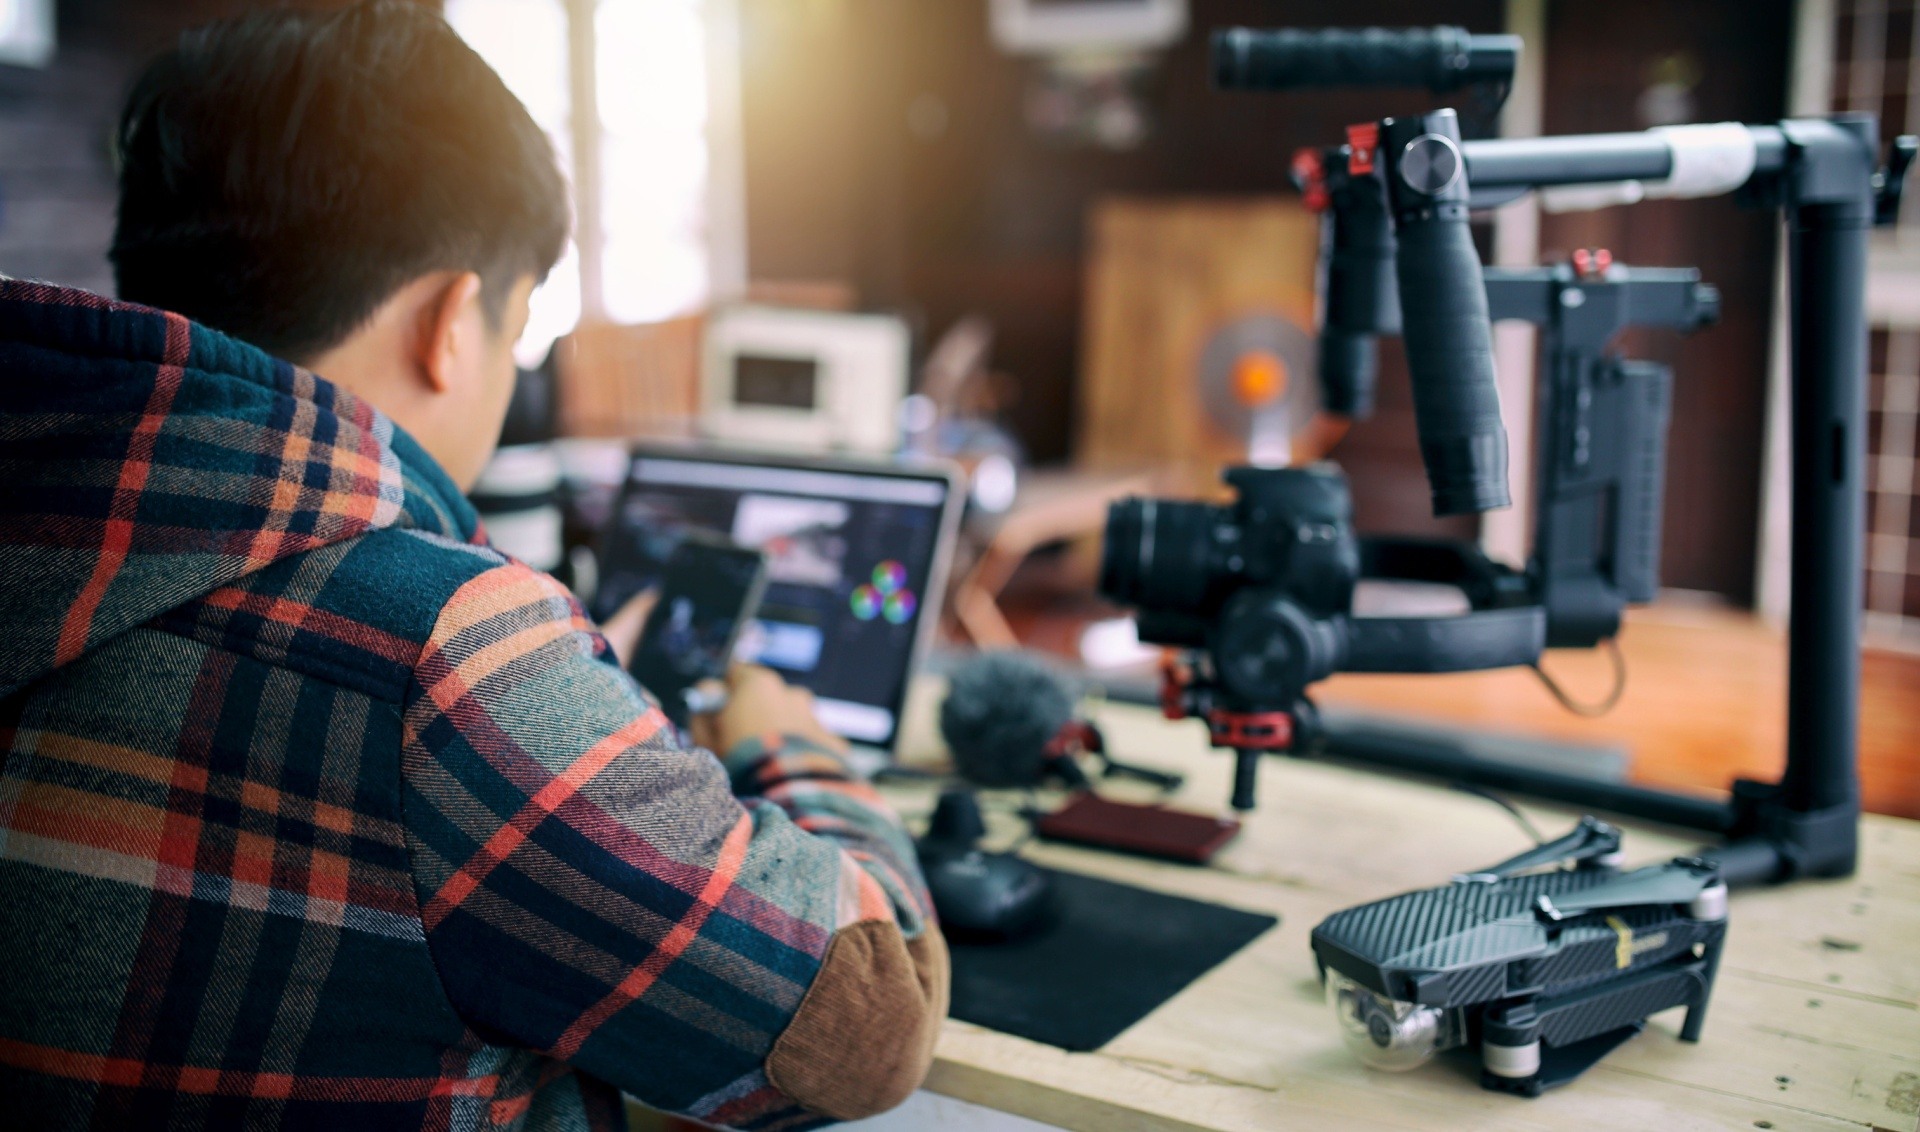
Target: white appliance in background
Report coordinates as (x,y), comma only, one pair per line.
(26,32)
(804,379)
(1052,27)
(518,498)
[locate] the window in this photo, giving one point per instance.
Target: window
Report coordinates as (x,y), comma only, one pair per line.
(525,41)
(1874,70)
(651,80)
(647,224)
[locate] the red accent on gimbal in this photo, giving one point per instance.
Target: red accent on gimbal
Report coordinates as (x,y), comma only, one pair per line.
(1240,730)
(1310,177)
(1174,678)
(1363,143)
(1251,730)
(1592,263)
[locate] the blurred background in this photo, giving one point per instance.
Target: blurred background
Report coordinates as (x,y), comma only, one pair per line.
(1106,280)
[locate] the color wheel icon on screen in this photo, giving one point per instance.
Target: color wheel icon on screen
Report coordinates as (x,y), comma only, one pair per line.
(886,596)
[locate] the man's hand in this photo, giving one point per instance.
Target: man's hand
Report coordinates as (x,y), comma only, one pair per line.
(622,630)
(760,703)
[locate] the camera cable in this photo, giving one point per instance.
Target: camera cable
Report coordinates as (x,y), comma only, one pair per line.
(1525,823)
(1591,710)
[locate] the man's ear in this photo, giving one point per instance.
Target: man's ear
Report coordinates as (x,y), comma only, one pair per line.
(450,325)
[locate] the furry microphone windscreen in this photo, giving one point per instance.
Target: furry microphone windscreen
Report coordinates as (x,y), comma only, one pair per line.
(1001,711)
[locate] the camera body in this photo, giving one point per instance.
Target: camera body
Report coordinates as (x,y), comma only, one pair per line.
(1260,594)
(1262,587)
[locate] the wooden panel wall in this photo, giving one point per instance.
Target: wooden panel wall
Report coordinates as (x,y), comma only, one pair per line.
(1164,276)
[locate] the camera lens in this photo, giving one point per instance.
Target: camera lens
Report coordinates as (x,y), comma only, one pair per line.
(1120,551)
(1385,1033)
(1157,553)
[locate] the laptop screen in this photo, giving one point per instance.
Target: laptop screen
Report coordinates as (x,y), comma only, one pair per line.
(855,558)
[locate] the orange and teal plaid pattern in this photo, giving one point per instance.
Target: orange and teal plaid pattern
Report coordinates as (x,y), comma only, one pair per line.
(316,812)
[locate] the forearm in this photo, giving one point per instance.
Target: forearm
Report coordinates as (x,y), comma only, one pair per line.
(820,792)
(742,957)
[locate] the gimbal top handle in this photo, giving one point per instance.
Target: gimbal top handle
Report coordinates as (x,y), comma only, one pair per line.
(1441,59)
(1442,299)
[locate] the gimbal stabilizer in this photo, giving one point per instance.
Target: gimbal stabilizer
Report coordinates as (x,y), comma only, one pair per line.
(1400,192)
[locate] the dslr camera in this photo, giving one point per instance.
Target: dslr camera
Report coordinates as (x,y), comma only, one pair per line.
(1260,587)
(1260,593)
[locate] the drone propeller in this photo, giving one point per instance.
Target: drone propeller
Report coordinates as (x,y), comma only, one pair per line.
(1684,880)
(1592,840)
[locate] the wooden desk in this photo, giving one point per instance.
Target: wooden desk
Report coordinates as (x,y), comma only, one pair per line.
(1815,1021)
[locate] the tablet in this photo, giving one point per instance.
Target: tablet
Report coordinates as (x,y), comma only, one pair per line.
(857,559)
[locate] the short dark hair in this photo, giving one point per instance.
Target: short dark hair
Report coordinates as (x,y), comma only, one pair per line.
(284,173)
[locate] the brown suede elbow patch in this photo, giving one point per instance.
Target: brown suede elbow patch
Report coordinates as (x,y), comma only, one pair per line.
(864,1034)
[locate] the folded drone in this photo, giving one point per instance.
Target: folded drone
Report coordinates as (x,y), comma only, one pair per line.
(1541,964)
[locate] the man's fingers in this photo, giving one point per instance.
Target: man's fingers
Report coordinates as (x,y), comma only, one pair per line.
(743,676)
(705,730)
(762,702)
(622,630)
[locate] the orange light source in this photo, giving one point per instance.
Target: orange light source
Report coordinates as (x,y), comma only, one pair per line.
(1259,378)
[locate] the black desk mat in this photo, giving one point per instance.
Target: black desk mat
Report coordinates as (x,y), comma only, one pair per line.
(1111,954)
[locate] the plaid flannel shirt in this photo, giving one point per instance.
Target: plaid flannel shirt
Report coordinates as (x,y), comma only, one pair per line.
(318,812)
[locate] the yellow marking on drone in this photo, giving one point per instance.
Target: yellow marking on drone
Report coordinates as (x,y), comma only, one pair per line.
(1623,948)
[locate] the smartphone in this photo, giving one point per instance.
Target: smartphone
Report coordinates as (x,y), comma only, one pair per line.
(709,590)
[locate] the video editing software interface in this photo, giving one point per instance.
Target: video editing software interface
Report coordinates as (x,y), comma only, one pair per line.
(848,560)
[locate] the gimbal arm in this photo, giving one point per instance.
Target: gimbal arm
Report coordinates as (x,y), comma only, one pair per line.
(1822,176)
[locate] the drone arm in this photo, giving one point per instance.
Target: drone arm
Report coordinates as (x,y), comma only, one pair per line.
(1540,1043)
(1591,840)
(1683,880)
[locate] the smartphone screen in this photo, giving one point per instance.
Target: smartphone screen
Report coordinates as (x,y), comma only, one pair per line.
(709,590)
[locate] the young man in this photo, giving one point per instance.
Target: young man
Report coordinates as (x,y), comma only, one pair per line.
(315,811)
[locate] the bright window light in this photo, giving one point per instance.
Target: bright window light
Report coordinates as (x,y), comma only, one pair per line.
(650,65)
(26,32)
(525,41)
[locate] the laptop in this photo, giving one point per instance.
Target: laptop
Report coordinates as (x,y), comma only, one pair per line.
(857,557)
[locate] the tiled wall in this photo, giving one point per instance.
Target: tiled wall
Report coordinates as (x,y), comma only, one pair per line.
(1875,69)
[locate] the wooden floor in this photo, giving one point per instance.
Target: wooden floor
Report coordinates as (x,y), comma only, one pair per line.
(1705,701)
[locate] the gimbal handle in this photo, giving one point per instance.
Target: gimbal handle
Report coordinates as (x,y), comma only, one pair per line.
(1443,314)
(1441,59)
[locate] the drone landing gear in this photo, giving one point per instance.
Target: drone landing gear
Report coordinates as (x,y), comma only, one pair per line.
(1534,1045)
(1561,1065)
